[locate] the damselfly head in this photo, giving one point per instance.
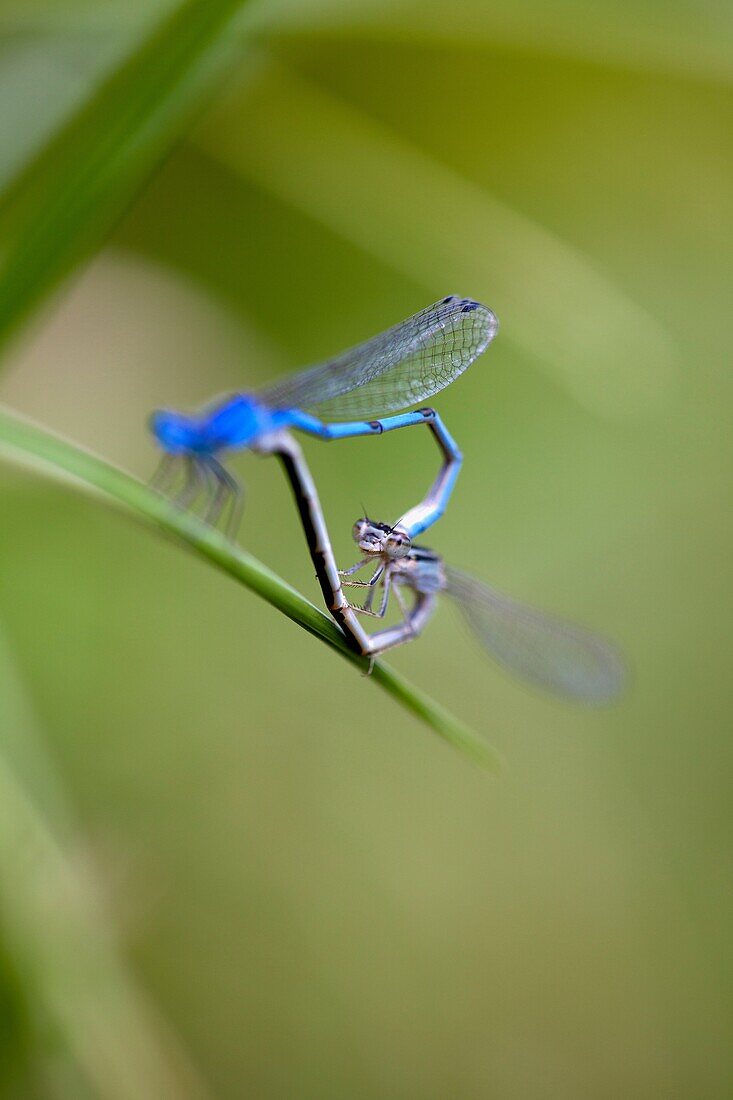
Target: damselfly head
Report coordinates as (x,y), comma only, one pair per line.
(380,538)
(367,535)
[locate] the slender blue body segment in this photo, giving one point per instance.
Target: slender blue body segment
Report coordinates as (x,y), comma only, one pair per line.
(351,429)
(425,514)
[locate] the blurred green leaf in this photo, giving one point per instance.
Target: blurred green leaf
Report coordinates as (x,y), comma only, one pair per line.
(56,933)
(690,37)
(74,15)
(69,198)
(33,446)
(45,79)
(426,220)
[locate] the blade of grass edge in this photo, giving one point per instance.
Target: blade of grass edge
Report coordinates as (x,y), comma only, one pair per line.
(69,198)
(32,446)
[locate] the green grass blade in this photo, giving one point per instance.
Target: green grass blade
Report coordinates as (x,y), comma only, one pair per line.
(67,200)
(83,998)
(339,166)
(30,445)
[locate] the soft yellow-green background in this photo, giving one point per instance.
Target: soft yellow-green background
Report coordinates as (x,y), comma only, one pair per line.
(285,886)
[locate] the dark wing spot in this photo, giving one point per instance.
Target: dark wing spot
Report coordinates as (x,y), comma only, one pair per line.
(469,307)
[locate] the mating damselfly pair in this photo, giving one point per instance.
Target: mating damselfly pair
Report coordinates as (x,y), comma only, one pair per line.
(363,392)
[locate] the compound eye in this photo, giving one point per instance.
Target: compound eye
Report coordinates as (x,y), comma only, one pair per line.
(357,531)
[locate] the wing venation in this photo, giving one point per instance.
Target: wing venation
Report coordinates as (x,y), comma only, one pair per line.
(549,652)
(404,366)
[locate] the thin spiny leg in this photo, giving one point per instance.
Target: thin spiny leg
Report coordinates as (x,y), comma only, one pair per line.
(367,610)
(165,473)
(237,499)
(211,484)
(192,487)
(235,513)
(425,514)
(366,584)
(370,594)
(218,499)
(388,589)
(385,597)
(406,611)
(355,568)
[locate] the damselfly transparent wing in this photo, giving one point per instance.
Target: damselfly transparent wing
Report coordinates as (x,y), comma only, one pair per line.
(549,652)
(401,367)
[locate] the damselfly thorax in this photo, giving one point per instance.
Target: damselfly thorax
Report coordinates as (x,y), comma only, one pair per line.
(422,570)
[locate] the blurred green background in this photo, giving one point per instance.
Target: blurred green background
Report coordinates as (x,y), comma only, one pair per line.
(229,866)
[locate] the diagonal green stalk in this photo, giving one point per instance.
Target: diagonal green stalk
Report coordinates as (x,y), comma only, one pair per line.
(67,201)
(30,445)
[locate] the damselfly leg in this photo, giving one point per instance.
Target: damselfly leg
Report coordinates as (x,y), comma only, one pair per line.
(371,584)
(355,569)
(194,483)
(204,475)
(406,611)
(366,609)
(226,490)
(165,473)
